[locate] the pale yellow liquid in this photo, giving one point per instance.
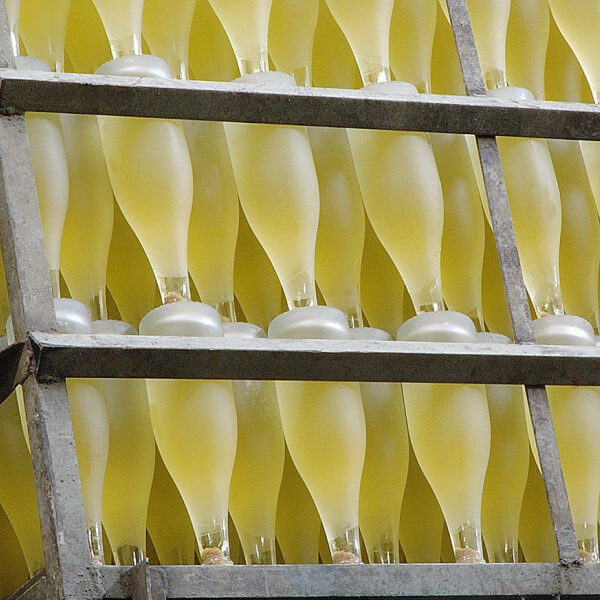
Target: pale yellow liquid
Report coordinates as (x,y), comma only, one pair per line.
(534,200)
(445,68)
(366,25)
(17,489)
(382,288)
(211,55)
(341,233)
(495,306)
(13,568)
(411,41)
(576,418)
(129,275)
(86,44)
(526,44)
(506,475)
(279,193)
(565,79)
(258,469)
(403,198)
(324,426)
(215,216)
(580,233)
(151,175)
(291,35)
(88,226)
(385,470)
(247,25)
(333,64)
(168,522)
(536,535)
(579,26)
(42,26)
(90,427)
(255,282)
(122,21)
(489,19)
(166,29)
(51,173)
(298,524)
(463,241)
(195,427)
(130,467)
(421,518)
(449,427)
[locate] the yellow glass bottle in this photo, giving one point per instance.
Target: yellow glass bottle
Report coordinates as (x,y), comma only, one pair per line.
(87,46)
(292,27)
(298,524)
(17,489)
(129,275)
(51,173)
(421,518)
(449,427)
(506,475)
(342,72)
(340,236)
(279,192)
(256,285)
(122,21)
(534,200)
(495,306)
(42,27)
(526,45)
(403,198)
(411,42)
(195,427)
(211,55)
(215,213)
(324,426)
(366,25)
(536,535)
(258,467)
(151,175)
(169,525)
(166,29)
(247,25)
(386,462)
(88,225)
(579,28)
(576,418)
(130,464)
(382,288)
(13,567)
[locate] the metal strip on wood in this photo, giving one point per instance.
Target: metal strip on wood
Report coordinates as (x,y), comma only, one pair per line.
(216,101)
(65,355)
(506,245)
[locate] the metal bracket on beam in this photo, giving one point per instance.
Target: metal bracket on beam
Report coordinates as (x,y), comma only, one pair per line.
(143,582)
(15,362)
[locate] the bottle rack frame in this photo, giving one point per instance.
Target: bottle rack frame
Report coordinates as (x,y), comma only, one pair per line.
(42,359)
